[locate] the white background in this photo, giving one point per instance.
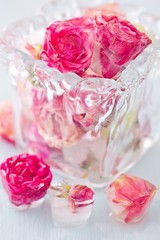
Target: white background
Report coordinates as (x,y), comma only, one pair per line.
(37,224)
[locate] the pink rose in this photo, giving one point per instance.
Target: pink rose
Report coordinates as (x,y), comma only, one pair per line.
(53,124)
(68,45)
(77,195)
(89,102)
(80,196)
(129,197)
(81,193)
(7,122)
(26,178)
(118,42)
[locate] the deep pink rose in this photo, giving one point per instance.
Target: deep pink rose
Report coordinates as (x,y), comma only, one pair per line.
(68,45)
(117,43)
(26,178)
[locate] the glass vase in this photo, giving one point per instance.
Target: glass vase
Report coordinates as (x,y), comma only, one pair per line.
(118,121)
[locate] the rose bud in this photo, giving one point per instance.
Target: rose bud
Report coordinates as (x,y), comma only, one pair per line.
(117,43)
(80,193)
(26,179)
(6,122)
(71,204)
(68,45)
(129,197)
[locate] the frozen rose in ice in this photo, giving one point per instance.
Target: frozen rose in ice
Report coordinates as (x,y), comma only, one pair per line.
(25,178)
(129,197)
(80,196)
(68,45)
(35,51)
(77,195)
(90,101)
(117,43)
(7,122)
(81,193)
(53,124)
(83,104)
(64,119)
(110,8)
(71,202)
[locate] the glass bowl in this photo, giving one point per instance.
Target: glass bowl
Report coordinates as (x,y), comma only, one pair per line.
(92,128)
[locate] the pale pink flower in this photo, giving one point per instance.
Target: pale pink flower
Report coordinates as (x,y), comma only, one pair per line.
(89,102)
(53,124)
(129,197)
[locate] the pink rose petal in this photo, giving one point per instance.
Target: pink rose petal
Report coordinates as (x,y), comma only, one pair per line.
(35,51)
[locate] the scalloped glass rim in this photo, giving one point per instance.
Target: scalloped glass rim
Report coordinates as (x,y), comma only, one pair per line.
(13,34)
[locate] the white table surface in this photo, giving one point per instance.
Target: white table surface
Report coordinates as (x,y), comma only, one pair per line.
(37,224)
